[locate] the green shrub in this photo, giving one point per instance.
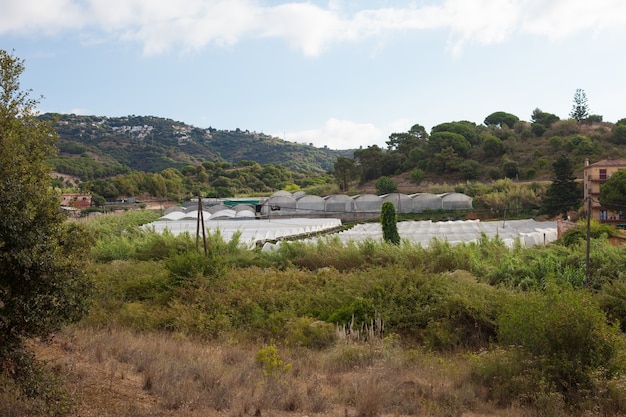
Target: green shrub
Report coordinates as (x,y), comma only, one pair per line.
(563,335)
(191,264)
(29,387)
(271,362)
(310,333)
(578,234)
(388,220)
(612,299)
(385,185)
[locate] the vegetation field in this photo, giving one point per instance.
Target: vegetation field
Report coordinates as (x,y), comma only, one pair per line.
(368,329)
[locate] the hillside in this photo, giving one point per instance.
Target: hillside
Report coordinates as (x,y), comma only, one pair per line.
(96,147)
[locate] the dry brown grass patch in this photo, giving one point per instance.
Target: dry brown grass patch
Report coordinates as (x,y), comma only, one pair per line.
(121,373)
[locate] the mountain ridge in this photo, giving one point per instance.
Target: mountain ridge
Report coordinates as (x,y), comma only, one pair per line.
(99,146)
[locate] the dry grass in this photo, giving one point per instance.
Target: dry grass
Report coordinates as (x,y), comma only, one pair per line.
(121,373)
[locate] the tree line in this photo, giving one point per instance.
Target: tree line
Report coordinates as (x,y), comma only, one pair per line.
(502,147)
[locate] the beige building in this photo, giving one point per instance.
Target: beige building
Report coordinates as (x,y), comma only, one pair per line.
(594,175)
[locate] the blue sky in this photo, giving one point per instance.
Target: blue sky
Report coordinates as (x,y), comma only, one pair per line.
(340,73)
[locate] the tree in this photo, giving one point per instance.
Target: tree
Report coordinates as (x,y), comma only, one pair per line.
(388,221)
(510,169)
(563,194)
(500,119)
(370,160)
(580,109)
(440,140)
(544,118)
(618,134)
(541,121)
(463,128)
(42,279)
(613,192)
(417,176)
(345,171)
(470,169)
(404,142)
(492,146)
(385,185)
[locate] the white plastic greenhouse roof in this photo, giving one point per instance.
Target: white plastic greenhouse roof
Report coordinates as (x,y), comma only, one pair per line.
(530,232)
(252,230)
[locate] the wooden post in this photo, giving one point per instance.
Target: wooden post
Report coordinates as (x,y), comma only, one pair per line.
(587,266)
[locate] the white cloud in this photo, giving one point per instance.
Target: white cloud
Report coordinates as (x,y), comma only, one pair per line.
(558,19)
(40,16)
(164,25)
(340,134)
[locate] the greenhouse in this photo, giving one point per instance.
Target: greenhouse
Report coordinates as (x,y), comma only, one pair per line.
(339,203)
(367,203)
(253,231)
(285,204)
(402,202)
(309,204)
(528,232)
(426,201)
(455,201)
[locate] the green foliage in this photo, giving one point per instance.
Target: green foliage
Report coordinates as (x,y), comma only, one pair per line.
(563,194)
(544,119)
(345,171)
(370,159)
(417,175)
(612,300)
(580,108)
(441,140)
(463,128)
(33,390)
(42,280)
(578,234)
(563,335)
(455,311)
(501,119)
(310,333)
(388,221)
(510,169)
(385,185)
(152,144)
(613,192)
(618,134)
(492,146)
(269,359)
(470,169)
(556,142)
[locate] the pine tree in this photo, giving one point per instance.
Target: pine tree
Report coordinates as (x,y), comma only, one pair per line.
(580,108)
(563,194)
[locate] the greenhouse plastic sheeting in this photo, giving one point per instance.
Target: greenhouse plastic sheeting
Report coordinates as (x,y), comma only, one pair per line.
(528,232)
(252,230)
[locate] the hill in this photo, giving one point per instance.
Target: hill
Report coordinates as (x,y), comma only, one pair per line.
(97,147)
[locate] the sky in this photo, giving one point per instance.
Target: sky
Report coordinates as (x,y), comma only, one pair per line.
(338,73)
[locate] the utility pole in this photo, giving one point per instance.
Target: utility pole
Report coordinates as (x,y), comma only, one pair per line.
(587,266)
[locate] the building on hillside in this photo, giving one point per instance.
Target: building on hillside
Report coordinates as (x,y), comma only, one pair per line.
(74,200)
(594,175)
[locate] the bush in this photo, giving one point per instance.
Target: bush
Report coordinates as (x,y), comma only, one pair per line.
(388,222)
(417,176)
(385,185)
(564,341)
(612,299)
(310,333)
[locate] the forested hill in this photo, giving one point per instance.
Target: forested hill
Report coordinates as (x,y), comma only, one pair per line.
(94,147)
